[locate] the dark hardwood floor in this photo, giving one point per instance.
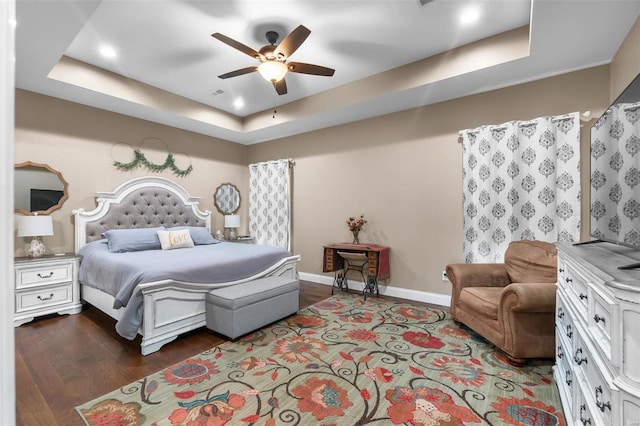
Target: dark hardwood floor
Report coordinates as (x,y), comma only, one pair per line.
(65,361)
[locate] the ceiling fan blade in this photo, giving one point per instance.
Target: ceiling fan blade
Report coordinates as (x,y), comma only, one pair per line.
(281,87)
(236,45)
(303,68)
(241,71)
(292,41)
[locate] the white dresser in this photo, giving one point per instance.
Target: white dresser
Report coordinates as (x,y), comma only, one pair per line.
(598,334)
(45,285)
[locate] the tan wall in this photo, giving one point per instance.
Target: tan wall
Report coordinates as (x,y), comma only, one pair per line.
(82,143)
(404,172)
(625,65)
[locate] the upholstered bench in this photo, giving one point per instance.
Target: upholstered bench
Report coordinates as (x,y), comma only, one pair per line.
(238,309)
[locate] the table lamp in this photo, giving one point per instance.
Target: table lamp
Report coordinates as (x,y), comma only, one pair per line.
(35,226)
(232,221)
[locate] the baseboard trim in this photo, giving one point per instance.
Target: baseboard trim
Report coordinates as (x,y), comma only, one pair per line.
(402,293)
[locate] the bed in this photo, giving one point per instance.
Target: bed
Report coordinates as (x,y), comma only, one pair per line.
(164,308)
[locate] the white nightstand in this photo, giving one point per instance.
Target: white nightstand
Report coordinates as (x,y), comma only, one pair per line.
(246,239)
(45,285)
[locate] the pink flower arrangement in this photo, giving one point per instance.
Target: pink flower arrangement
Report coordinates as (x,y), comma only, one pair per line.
(356,224)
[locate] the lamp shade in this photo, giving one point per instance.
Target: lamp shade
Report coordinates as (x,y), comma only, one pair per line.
(35,226)
(232,221)
(272,71)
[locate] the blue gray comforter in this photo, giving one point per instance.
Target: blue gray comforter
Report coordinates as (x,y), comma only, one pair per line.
(119,274)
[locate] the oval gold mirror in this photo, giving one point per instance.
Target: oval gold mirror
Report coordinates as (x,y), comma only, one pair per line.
(227,199)
(38,188)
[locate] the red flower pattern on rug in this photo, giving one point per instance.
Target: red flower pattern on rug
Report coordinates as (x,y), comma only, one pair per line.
(342,361)
(189,372)
(299,348)
(322,398)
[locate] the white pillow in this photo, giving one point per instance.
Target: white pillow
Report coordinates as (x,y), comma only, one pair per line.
(170,240)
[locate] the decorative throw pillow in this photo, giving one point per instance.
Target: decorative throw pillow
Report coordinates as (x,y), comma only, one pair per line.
(170,240)
(135,239)
(199,234)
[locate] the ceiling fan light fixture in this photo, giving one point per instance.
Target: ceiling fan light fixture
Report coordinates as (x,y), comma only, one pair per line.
(272,71)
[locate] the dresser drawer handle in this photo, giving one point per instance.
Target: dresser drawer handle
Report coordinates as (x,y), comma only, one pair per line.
(567,377)
(44,277)
(568,280)
(569,332)
(601,405)
(560,352)
(597,318)
(579,361)
(46,298)
(560,313)
(582,296)
(561,270)
(584,421)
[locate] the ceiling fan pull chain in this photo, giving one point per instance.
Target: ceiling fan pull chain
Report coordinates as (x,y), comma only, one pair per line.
(275,105)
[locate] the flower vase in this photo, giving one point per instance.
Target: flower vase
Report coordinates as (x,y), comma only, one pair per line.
(355,237)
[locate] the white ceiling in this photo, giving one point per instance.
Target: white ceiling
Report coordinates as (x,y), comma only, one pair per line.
(168,45)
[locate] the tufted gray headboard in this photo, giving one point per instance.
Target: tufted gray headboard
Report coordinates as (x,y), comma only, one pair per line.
(139,203)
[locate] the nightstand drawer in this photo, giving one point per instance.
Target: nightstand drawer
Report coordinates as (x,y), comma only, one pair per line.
(43,275)
(43,297)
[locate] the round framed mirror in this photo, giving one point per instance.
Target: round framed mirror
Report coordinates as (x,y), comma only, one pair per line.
(39,188)
(227,198)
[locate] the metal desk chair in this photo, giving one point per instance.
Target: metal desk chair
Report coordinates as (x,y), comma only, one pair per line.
(352,262)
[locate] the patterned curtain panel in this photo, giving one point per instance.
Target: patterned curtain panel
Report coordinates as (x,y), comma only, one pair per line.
(521,182)
(269,203)
(615,174)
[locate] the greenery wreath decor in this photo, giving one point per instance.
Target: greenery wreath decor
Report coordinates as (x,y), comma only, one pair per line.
(139,159)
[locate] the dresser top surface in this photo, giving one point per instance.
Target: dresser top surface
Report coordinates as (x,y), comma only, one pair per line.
(603,260)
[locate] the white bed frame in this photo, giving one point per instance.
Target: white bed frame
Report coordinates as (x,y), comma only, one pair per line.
(170,307)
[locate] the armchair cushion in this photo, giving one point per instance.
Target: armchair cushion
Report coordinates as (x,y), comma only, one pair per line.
(529,261)
(483,300)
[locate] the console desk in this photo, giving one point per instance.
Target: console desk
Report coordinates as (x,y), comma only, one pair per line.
(377,267)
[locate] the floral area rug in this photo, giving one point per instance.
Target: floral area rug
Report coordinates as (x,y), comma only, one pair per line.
(342,361)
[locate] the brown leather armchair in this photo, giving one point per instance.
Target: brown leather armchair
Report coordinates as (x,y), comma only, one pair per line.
(511,304)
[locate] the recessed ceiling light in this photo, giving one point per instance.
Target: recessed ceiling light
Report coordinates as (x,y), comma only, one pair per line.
(469,15)
(107,51)
(238,103)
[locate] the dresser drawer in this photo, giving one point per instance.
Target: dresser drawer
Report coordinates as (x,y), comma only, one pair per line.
(596,388)
(565,376)
(562,272)
(43,275)
(576,288)
(600,321)
(584,414)
(564,322)
(37,299)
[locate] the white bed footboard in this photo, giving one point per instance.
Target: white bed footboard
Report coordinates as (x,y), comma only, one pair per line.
(170,308)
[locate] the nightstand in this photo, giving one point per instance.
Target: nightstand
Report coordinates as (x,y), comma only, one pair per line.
(45,285)
(246,239)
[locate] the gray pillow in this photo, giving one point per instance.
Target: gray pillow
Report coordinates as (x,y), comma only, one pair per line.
(199,234)
(135,239)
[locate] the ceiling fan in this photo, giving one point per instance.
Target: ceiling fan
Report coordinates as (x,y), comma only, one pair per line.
(273,64)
